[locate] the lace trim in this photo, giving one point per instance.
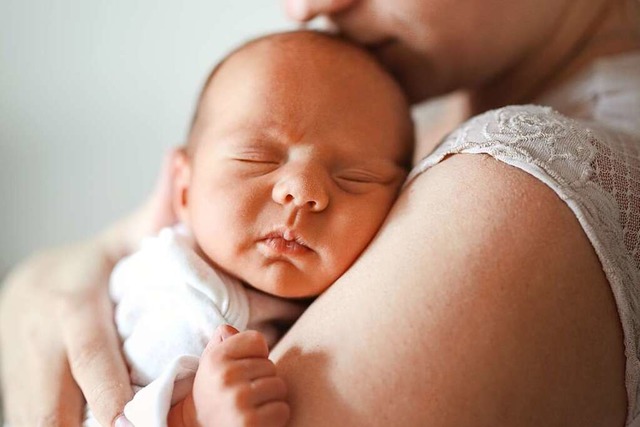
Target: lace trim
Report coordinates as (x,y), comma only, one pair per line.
(569,156)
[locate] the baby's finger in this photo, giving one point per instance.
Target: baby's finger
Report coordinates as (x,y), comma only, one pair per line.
(243,345)
(221,333)
(94,356)
(268,389)
(245,370)
(273,414)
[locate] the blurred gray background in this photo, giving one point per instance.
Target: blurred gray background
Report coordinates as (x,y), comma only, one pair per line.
(92,93)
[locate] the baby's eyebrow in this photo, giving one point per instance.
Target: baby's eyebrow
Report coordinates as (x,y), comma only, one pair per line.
(258,132)
(254,143)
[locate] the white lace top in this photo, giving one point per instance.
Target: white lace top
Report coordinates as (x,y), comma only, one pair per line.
(586,147)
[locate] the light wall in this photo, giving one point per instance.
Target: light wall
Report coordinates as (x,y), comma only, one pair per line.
(92,92)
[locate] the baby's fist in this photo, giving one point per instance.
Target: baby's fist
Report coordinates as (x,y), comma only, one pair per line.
(237,385)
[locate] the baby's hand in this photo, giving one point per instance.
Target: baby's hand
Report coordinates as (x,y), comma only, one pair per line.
(235,386)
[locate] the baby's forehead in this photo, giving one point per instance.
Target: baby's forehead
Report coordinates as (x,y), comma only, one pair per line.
(309,51)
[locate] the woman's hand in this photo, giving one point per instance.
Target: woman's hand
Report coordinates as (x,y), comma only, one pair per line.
(56,321)
(56,324)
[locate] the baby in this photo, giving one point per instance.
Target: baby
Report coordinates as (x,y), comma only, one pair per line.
(297,151)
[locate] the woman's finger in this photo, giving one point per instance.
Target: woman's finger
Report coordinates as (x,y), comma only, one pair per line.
(155,213)
(37,385)
(159,203)
(86,312)
(94,354)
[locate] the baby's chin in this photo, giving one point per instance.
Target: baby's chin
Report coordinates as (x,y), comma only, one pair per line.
(287,291)
(300,287)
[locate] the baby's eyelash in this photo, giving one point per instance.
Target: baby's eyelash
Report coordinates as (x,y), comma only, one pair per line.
(354,184)
(356,179)
(255,160)
(363,177)
(255,157)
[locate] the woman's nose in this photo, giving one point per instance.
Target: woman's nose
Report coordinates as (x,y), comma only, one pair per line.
(304,189)
(305,10)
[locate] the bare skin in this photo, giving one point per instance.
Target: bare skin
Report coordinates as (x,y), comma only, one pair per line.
(236,384)
(67,288)
(488,323)
(240,180)
(449,325)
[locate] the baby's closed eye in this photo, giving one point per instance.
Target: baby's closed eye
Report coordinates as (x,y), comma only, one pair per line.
(360,180)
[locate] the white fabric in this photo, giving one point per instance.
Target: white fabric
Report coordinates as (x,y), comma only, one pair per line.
(587,151)
(169,302)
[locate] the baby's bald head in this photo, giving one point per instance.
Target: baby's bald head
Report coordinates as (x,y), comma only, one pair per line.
(301,133)
(301,62)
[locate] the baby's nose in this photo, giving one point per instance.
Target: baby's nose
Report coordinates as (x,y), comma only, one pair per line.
(303,189)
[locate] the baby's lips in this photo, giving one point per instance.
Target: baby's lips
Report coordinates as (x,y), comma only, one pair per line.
(287,234)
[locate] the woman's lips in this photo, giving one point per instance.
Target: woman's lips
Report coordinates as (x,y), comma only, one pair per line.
(378,47)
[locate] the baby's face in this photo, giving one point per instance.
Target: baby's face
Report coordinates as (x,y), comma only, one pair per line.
(297,163)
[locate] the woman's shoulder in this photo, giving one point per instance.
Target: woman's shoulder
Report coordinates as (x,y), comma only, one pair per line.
(476,243)
(591,167)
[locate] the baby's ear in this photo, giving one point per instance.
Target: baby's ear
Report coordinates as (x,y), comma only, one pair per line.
(182,179)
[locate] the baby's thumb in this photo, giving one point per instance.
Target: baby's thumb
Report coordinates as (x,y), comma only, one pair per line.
(223,332)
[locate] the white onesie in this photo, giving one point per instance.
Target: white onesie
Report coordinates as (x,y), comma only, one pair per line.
(168,303)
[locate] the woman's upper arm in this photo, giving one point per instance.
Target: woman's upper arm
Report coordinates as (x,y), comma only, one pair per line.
(480,302)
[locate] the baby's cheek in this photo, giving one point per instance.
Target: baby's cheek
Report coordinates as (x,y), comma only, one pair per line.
(357,231)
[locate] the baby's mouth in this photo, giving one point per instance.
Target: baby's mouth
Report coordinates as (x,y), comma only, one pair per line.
(285,247)
(284,242)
